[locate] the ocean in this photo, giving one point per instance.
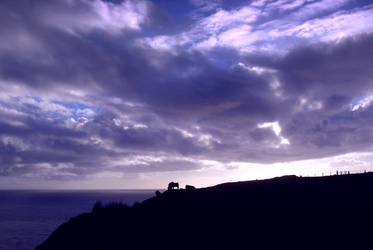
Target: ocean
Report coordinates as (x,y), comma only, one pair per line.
(28,217)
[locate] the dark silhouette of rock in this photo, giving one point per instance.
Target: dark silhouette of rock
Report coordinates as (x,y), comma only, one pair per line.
(157,193)
(308,213)
(190,188)
(173,185)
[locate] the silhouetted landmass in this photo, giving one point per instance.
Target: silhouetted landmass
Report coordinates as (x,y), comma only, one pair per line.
(334,212)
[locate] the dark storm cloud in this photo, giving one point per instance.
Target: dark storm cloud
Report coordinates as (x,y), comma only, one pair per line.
(142,138)
(72,46)
(177,102)
(319,84)
(326,69)
(86,144)
(331,78)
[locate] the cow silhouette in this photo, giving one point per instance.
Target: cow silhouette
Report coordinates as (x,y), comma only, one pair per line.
(173,185)
(190,188)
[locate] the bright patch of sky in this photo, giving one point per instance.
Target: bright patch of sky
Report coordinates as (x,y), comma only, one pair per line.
(39,107)
(361,103)
(275,127)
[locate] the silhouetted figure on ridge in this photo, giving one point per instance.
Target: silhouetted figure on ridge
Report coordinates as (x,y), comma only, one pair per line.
(173,185)
(190,188)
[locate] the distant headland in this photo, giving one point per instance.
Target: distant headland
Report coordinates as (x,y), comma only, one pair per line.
(289,212)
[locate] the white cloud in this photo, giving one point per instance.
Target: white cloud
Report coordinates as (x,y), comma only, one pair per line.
(98,14)
(222,28)
(33,106)
(15,142)
(185,133)
(315,8)
(207,139)
(238,37)
(309,21)
(85,112)
(139,160)
(224,19)
(363,103)
(45,105)
(126,123)
(139,126)
(275,126)
(259,70)
(165,42)
(335,26)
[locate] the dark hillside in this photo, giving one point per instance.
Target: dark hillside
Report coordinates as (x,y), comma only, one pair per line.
(334,212)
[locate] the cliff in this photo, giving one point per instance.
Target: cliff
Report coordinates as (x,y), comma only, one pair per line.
(334,212)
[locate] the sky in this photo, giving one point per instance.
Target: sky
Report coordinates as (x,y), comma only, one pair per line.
(118,94)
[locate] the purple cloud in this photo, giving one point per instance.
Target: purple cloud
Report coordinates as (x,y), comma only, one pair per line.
(100,87)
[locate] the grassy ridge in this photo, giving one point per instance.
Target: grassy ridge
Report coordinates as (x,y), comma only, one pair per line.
(334,212)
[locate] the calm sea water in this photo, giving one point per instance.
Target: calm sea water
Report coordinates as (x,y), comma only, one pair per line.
(27,218)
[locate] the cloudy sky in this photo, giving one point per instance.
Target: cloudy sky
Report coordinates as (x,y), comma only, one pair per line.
(134,94)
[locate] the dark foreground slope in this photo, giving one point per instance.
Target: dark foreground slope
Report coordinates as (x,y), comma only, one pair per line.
(290,212)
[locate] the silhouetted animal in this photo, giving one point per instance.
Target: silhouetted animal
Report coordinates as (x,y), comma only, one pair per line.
(173,185)
(190,188)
